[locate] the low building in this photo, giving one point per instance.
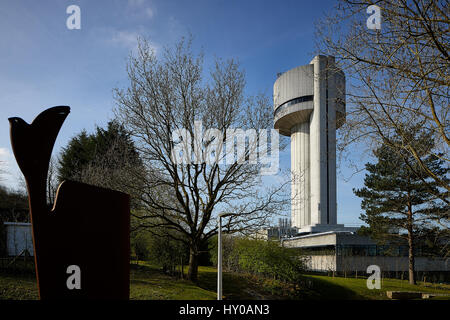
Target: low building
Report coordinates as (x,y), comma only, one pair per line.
(18,238)
(342,251)
(283,230)
(275,233)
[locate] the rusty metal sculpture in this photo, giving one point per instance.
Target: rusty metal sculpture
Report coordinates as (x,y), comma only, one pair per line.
(85,234)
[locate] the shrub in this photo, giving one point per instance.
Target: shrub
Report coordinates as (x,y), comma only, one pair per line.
(230,258)
(262,258)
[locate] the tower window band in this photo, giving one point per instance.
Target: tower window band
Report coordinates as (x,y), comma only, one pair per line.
(294,101)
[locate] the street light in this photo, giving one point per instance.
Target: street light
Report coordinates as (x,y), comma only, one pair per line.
(219,255)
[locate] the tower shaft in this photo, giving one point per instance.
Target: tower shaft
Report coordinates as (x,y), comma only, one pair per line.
(300,175)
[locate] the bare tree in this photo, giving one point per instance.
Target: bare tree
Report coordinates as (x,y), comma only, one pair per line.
(166,105)
(399,75)
(52,180)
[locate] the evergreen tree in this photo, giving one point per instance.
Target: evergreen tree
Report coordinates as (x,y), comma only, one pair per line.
(402,203)
(78,153)
(107,158)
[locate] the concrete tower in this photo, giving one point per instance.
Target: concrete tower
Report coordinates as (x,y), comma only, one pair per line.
(309,105)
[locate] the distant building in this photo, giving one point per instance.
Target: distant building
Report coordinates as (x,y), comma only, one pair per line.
(283,230)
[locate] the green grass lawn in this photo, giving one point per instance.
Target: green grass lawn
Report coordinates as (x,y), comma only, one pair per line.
(18,287)
(324,287)
(149,283)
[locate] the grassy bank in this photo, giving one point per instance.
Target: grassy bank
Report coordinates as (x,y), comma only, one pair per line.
(324,287)
(149,283)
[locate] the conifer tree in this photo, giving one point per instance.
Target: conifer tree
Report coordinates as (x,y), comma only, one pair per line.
(400,198)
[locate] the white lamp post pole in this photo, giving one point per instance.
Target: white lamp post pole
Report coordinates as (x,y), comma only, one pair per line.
(219,260)
(219,255)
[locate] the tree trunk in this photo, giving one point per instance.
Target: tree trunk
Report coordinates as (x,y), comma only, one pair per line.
(193,265)
(182,267)
(412,277)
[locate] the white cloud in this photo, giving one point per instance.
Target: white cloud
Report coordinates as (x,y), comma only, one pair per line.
(142,7)
(136,3)
(3,152)
(129,40)
(9,171)
(149,12)
(5,158)
(125,39)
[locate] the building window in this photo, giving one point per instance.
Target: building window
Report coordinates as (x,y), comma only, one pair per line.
(294,101)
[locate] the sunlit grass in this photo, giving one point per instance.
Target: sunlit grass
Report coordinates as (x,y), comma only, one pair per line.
(325,287)
(148,282)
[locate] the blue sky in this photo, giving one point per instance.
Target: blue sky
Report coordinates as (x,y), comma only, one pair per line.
(43,64)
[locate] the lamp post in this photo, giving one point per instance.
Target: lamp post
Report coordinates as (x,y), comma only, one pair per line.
(219,255)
